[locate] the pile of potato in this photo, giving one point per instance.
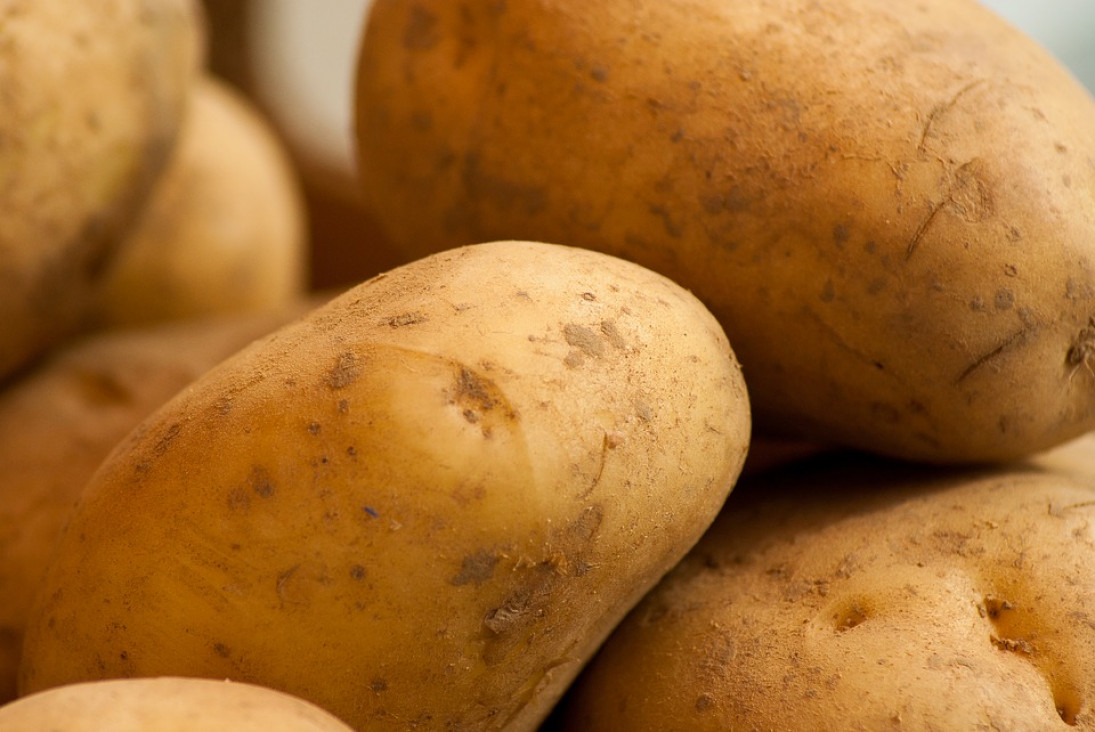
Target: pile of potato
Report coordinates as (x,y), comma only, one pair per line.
(737,376)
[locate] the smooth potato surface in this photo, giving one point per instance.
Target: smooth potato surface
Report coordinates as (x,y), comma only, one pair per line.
(845,594)
(424,505)
(93,97)
(224,229)
(164,705)
(890,207)
(58,422)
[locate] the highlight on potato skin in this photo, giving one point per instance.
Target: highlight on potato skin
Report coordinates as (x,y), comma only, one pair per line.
(888,206)
(455,477)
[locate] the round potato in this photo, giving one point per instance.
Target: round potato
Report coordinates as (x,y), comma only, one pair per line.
(888,206)
(844,594)
(93,96)
(224,229)
(58,422)
(165,705)
(425,504)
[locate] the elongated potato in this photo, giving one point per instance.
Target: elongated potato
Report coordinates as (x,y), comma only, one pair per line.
(224,229)
(165,705)
(890,207)
(424,505)
(60,421)
(93,96)
(850,595)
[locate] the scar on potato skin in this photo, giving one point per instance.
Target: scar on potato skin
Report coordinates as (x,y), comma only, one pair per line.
(1015,339)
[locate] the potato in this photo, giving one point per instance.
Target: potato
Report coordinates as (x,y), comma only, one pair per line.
(60,421)
(93,95)
(423,505)
(888,206)
(224,231)
(851,595)
(165,705)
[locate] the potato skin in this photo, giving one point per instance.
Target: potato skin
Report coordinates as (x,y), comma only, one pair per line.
(165,704)
(424,504)
(858,595)
(888,206)
(93,96)
(224,229)
(59,421)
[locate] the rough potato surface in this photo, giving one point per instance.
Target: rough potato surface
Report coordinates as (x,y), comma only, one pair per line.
(889,206)
(854,595)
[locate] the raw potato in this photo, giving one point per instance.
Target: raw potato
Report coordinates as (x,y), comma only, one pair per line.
(93,95)
(890,207)
(424,505)
(60,421)
(856,596)
(165,705)
(224,230)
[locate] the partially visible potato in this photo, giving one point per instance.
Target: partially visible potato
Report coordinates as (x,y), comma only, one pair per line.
(165,705)
(92,99)
(423,505)
(890,206)
(224,230)
(60,421)
(847,594)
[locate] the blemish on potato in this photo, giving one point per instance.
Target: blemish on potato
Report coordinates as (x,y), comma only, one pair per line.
(672,228)
(222,650)
(475,569)
(851,616)
(260,482)
(584,339)
(421,32)
(405,319)
(345,371)
(612,334)
(1004,299)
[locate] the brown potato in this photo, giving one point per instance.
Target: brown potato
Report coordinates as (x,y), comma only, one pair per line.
(424,504)
(93,95)
(60,421)
(888,206)
(845,594)
(224,230)
(165,705)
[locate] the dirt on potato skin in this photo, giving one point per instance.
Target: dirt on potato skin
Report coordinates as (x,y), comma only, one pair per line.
(898,271)
(852,593)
